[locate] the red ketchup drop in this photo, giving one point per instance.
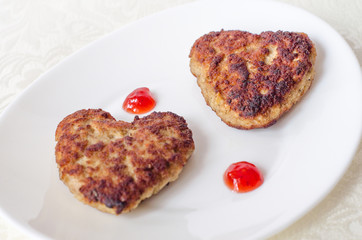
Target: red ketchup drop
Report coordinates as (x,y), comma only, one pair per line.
(139,101)
(243,177)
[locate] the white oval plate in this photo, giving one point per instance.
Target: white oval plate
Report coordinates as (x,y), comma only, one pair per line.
(302,156)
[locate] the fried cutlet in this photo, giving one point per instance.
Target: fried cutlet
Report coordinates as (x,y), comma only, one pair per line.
(251,80)
(114,165)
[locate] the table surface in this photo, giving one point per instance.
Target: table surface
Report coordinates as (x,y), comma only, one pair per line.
(37,34)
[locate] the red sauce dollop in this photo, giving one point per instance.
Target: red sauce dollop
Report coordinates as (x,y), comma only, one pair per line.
(139,101)
(243,177)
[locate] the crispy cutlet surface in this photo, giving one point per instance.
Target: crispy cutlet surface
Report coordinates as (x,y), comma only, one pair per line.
(114,165)
(251,80)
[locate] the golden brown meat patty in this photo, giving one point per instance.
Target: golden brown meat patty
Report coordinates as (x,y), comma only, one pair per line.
(113,165)
(251,80)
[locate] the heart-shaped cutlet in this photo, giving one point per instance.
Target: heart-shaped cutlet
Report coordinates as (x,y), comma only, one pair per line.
(251,80)
(114,165)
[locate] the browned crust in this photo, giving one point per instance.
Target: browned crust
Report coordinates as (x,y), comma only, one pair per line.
(114,165)
(251,80)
